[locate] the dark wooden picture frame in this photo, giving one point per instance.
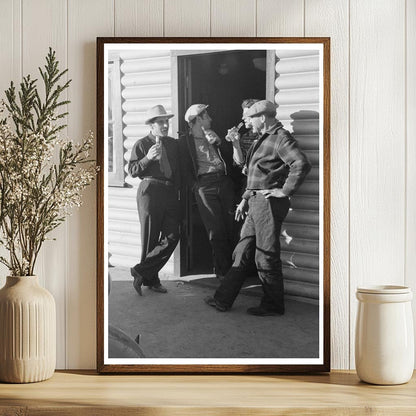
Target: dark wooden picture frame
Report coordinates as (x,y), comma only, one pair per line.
(322,183)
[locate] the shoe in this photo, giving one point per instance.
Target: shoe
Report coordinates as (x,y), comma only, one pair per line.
(212,302)
(260,311)
(158,288)
(138,281)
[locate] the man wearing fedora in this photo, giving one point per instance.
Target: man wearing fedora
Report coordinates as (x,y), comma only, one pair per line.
(276,169)
(207,167)
(154,159)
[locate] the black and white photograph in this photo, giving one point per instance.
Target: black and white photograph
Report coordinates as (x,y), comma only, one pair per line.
(213,213)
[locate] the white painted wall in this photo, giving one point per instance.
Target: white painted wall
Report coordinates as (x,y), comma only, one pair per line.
(373,132)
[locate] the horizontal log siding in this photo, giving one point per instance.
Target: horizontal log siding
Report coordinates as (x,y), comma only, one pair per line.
(297,94)
(145,82)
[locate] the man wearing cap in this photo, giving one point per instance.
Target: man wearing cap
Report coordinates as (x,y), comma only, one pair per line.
(276,169)
(242,138)
(154,159)
(207,167)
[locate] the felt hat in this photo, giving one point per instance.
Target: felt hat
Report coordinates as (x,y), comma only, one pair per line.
(158,111)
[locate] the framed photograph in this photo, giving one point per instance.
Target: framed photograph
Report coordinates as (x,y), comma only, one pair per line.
(213,218)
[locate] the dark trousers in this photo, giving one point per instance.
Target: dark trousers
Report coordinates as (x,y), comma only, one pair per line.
(259,242)
(159,215)
(214,196)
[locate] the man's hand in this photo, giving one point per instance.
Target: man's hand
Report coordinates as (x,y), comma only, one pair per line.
(154,152)
(232,135)
(275,193)
(211,136)
(241,211)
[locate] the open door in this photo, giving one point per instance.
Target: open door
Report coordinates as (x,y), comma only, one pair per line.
(222,80)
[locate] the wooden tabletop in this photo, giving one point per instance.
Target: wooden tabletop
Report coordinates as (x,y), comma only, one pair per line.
(86,393)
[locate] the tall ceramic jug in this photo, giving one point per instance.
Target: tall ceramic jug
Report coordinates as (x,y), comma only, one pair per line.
(384,341)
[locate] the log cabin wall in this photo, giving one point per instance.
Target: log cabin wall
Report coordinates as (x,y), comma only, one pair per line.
(296,91)
(145,81)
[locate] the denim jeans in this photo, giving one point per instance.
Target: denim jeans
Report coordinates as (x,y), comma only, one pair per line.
(214,194)
(259,242)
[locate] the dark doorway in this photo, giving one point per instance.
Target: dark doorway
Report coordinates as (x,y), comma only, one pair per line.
(222,80)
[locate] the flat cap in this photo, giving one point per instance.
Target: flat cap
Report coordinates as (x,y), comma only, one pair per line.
(194,110)
(261,107)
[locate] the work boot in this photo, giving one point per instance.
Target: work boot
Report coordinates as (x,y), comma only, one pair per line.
(261,311)
(138,281)
(158,288)
(218,306)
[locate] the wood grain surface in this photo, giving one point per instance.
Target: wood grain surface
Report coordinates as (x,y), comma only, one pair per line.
(331,18)
(85,19)
(82,393)
(410,261)
(280,18)
(233,18)
(138,17)
(51,266)
(377,195)
(185,18)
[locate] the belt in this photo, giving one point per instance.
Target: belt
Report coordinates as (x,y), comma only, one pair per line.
(211,175)
(161,181)
(253,192)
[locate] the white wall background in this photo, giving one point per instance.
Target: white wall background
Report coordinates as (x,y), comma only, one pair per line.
(373,132)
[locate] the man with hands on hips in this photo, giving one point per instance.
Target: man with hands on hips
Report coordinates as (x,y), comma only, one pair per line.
(276,169)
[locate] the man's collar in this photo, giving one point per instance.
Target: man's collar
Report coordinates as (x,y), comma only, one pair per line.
(273,127)
(198,137)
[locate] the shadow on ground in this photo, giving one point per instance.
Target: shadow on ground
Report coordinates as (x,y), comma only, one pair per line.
(179,324)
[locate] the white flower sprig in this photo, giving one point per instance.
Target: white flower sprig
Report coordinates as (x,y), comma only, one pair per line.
(41,176)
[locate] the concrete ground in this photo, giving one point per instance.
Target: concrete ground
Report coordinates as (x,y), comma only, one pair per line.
(179,324)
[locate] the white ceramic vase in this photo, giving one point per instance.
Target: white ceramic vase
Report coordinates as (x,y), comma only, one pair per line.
(27,331)
(384,339)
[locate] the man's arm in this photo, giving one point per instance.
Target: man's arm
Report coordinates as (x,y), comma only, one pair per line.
(234,137)
(139,160)
(296,160)
(237,153)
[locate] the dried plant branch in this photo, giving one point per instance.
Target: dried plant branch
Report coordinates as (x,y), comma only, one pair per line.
(41,176)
